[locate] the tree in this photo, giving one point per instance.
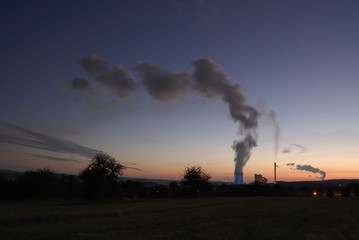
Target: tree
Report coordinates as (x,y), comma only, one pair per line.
(196,180)
(101,177)
(40,183)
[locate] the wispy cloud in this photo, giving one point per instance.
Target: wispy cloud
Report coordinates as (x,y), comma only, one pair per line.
(131,163)
(301,148)
(54,158)
(16,135)
(136,169)
(133,168)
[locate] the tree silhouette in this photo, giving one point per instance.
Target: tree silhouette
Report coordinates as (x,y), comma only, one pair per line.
(173,189)
(135,189)
(196,180)
(101,177)
(40,183)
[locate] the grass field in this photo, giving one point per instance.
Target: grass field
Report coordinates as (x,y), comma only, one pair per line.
(200,218)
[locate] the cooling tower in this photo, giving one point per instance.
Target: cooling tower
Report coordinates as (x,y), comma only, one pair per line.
(238,178)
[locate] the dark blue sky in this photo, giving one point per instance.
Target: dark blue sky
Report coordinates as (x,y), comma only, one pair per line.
(301,57)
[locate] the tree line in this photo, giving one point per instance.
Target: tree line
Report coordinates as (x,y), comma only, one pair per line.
(101,179)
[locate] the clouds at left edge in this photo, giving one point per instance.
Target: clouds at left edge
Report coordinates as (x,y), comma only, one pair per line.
(24,149)
(27,149)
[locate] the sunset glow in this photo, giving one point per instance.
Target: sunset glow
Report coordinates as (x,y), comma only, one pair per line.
(161,85)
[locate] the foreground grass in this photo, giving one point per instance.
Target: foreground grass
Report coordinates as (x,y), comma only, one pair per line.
(200,218)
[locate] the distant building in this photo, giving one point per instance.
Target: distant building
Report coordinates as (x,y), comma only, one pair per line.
(258,178)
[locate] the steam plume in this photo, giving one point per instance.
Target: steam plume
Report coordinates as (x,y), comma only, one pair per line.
(93,64)
(163,84)
(118,80)
(273,117)
(243,151)
(312,169)
(209,80)
(80,84)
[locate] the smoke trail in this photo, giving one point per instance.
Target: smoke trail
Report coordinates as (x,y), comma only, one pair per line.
(243,151)
(208,79)
(163,85)
(118,80)
(212,80)
(273,117)
(312,169)
(94,65)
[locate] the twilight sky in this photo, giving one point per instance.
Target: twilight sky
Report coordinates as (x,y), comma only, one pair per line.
(81,76)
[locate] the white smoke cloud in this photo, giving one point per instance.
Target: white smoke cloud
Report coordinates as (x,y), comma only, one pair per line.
(211,80)
(208,79)
(94,65)
(163,84)
(81,84)
(119,81)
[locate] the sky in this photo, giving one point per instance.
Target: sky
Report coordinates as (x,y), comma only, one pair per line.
(149,82)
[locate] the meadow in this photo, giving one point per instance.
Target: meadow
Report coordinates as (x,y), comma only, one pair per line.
(187,218)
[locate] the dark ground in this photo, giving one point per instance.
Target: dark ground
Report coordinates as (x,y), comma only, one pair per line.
(196,218)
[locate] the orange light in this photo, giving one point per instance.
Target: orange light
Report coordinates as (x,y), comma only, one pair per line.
(315,194)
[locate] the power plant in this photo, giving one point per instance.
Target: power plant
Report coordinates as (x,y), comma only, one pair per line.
(258,178)
(238,177)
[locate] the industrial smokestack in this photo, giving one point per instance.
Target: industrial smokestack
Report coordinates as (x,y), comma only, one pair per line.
(273,117)
(275,173)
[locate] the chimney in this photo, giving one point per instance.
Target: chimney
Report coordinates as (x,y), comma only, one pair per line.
(275,173)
